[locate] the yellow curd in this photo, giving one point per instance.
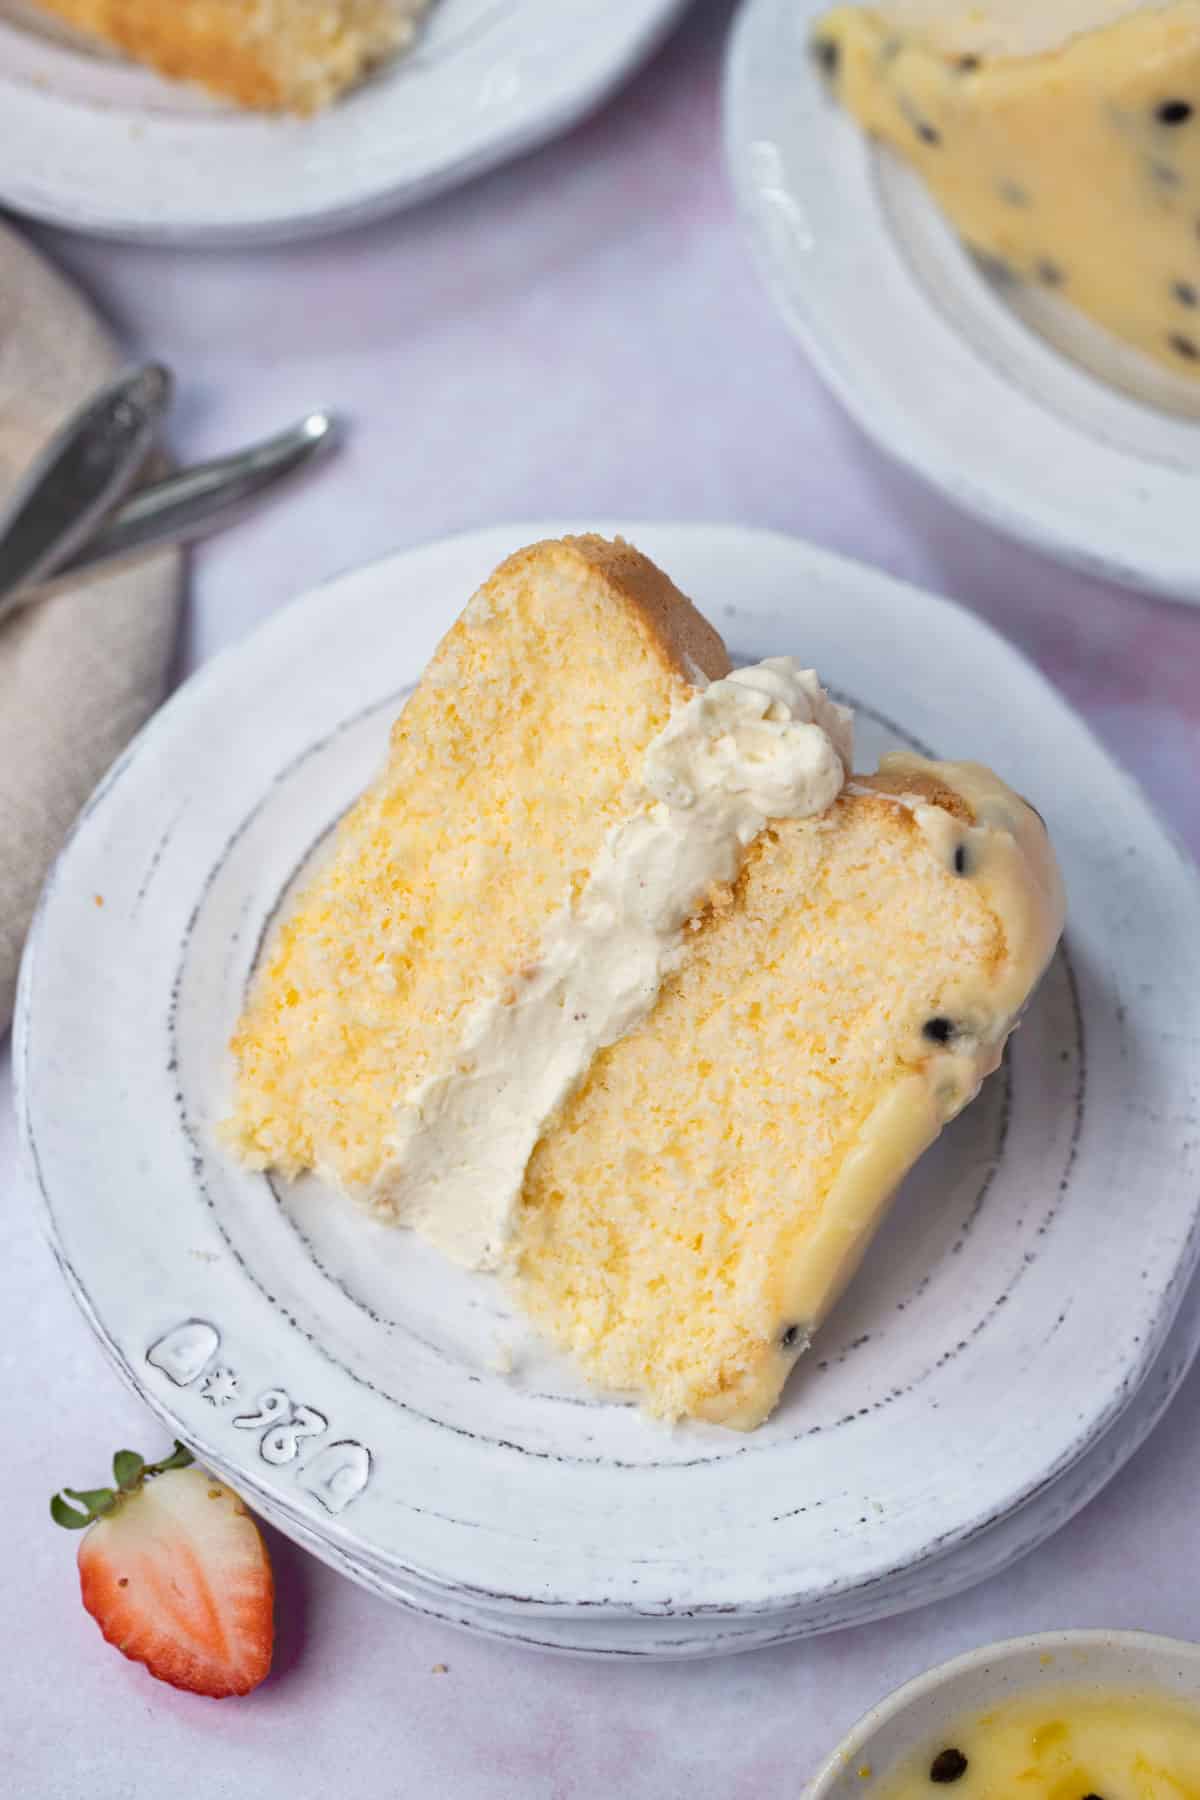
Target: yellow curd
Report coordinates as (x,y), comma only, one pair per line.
(1065,1744)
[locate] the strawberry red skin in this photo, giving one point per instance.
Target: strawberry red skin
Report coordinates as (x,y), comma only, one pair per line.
(180,1580)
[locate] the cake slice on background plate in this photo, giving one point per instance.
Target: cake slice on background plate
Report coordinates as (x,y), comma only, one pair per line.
(274,55)
(618,982)
(1061,140)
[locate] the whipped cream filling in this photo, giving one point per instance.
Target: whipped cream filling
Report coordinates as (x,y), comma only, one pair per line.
(764,743)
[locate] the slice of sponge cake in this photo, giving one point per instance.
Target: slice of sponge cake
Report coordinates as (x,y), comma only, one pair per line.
(292,55)
(618,981)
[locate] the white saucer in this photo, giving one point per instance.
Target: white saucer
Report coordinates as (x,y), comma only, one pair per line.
(1009,402)
(106,147)
(346,1378)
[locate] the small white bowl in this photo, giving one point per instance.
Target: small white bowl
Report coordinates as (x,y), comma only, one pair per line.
(917,1713)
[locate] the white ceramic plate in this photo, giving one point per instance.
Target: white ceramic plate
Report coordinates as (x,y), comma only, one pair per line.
(345,1376)
(678,1636)
(103,146)
(1007,401)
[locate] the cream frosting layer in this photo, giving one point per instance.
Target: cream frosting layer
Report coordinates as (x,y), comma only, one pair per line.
(766,742)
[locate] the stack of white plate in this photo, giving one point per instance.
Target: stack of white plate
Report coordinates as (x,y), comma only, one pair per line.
(1017,1328)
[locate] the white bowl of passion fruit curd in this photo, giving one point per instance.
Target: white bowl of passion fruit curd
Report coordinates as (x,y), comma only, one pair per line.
(1114,1714)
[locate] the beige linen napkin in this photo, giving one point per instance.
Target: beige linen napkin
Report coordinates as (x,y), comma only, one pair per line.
(79,673)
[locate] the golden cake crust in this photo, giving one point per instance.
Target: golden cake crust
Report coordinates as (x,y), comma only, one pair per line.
(674,627)
(929,786)
(267,55)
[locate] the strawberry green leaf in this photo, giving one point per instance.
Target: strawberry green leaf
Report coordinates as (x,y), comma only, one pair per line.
(67,1516)
(179,1458)
(127,1469)
(97,1500)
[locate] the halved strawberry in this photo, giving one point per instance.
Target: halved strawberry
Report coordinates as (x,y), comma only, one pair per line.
(175,1573)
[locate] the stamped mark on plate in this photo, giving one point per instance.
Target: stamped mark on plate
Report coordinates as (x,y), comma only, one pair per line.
(287,1425)
(335,1475)
(185,1353)
(220,1385)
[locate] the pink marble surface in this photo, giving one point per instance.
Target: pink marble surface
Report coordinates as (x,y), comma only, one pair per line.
(580,335)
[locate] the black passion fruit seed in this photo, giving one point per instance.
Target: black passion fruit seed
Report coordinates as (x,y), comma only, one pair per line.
(1174,112)
(828,55)
(948,1765)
